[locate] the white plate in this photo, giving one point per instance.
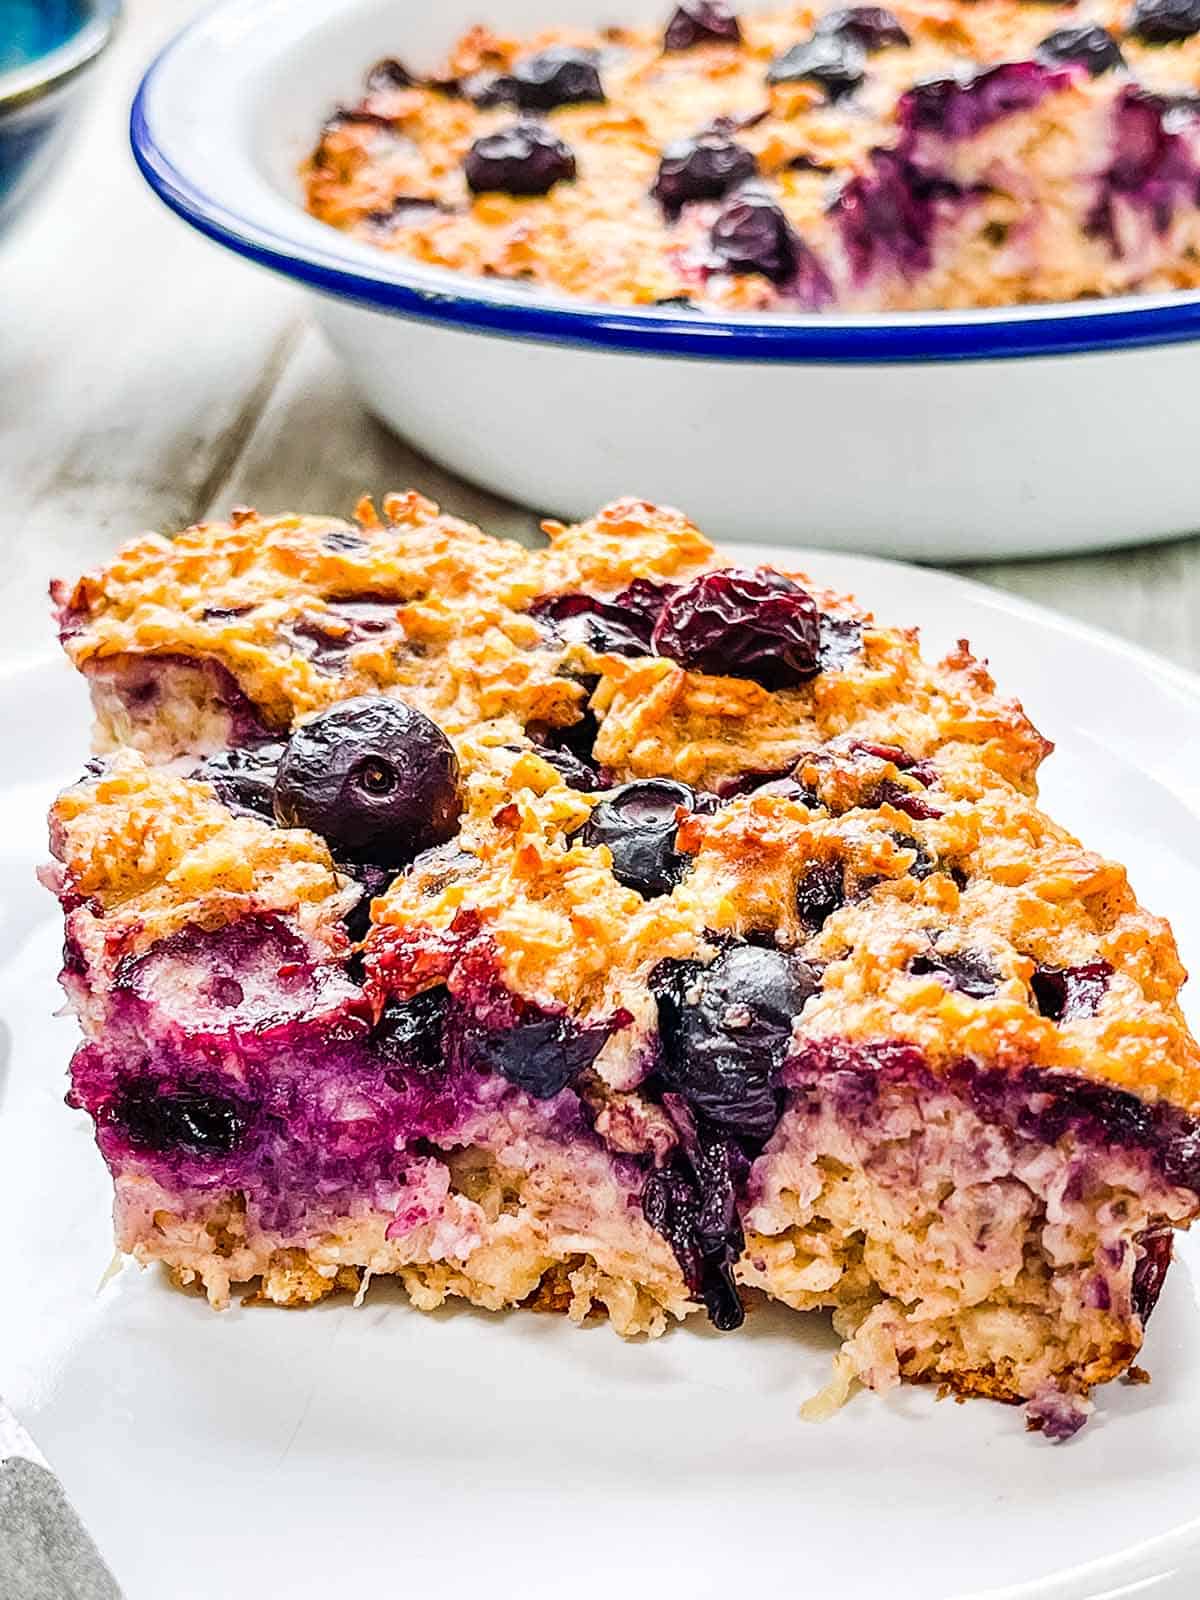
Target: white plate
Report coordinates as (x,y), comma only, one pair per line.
(379,1451)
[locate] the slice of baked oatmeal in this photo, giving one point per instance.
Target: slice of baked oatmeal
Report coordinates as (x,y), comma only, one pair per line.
(607,927)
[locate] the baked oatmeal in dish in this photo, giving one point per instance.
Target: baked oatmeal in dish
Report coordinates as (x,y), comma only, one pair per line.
(937,153)
(607,928)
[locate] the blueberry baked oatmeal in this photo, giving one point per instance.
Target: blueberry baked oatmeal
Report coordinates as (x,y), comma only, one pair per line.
(941,153)
(608,929)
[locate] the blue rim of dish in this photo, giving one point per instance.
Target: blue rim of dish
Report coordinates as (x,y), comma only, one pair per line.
(36,79)
(905,338)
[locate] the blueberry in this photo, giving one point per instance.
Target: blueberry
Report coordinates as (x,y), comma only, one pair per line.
(563,75)
(696,1212)
(638,824)
(409,1032)
(524,159)
(820,891)
(887,215)
(1088,45)
(701,22)
(1065,993)
(167,1120)
(542,1052)
(835,62)
(890,792)
(872,27)
(601,625)
(726,1031)
(389,74)
(968,971)
(570,750)
(758,625)
(706,167)
(1164,21)
(244,777)
(753,235)
(375,777)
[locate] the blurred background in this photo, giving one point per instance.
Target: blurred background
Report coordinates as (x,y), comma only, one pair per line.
(148,380)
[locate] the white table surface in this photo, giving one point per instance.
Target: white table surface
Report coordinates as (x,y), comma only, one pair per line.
(148,379)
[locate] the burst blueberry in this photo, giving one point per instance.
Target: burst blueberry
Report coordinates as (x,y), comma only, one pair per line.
(374,777)
(1066,993)
(165,1121)
(1089,46)
(639,823)
(705,167)
(524,159)
(968,971)
(741,624)
(244,777)
(409,1032)
(726,1030)
(835,62)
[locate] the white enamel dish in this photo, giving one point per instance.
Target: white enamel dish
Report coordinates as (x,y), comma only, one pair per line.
(969,436)
(379,1451)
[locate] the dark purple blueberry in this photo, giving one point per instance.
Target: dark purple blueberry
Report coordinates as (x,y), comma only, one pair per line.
(542,1053)
(835,62)
(925,863)
(871,27)
(740,624)
(1155,1249)
(1152,166)
(706,167)
(820,891)
(968,971)
(677,302)
(325,637)
(409,1032)
(563,75)
(168,1120)
(701,22)
(374,777)
(524,159)
(890,792)
(244,778)
(695,1210)
(1164,21)
(961,107)
(359,115)
(753,235)
(389,74)
(886,216)
(726,1030)
(1088,45)
(403,208)
(1065,993)
(572,769)
(638,823)
(602,625)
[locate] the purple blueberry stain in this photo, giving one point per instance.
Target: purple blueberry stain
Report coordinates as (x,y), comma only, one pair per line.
(963,106)
(1151,168)
(887,215)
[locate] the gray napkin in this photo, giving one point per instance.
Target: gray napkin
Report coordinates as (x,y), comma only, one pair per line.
(45,1551)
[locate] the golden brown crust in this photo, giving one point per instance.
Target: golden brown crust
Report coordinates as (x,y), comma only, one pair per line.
(952,855)
(1022,228)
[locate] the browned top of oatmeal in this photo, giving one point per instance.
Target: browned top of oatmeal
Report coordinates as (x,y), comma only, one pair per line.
(1071,174)
(912,781)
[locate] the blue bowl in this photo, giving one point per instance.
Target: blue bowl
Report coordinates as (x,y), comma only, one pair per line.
(46,47)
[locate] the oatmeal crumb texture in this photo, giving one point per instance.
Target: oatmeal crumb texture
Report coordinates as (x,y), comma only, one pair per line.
(938,153)
(772,977)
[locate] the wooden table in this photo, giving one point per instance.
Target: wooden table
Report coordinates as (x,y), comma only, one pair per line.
(148,379)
